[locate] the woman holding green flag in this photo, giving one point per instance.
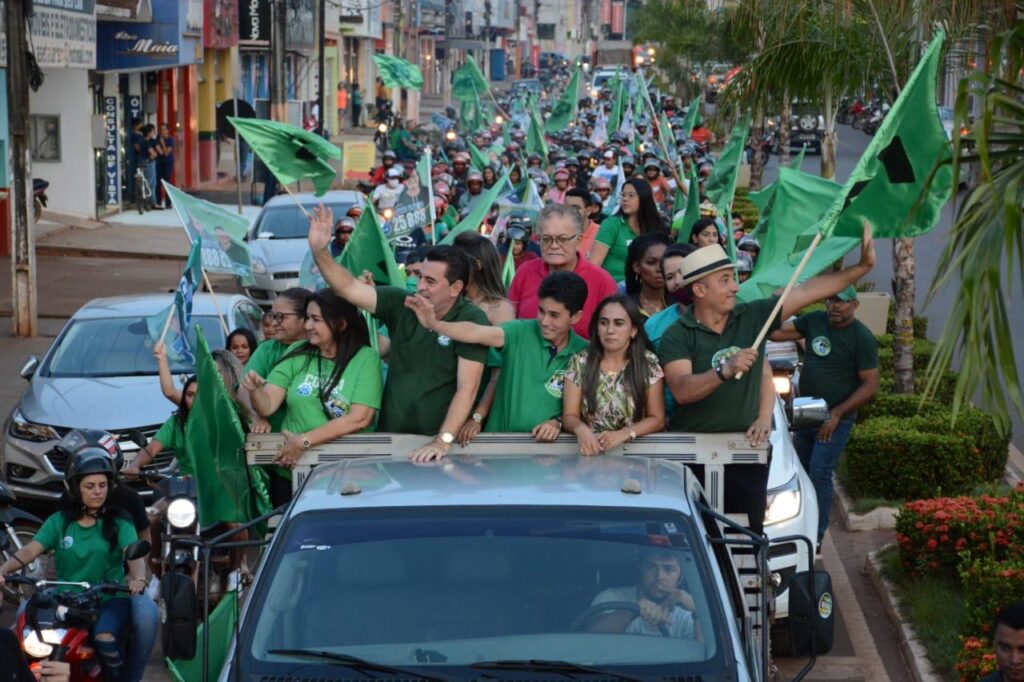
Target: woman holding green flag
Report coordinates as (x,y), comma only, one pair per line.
(331,383)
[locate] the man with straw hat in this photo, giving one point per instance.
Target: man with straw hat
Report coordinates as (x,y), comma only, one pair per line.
(713,365)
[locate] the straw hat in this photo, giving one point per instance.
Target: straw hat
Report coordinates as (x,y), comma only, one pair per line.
(703,262)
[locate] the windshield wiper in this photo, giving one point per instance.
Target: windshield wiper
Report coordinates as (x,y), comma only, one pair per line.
(566,668)
(359,664)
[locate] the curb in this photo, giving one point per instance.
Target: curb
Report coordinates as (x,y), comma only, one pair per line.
(880,518)
(82,252)
(914,653)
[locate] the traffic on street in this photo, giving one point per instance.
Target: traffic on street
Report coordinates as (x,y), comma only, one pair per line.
(492,339)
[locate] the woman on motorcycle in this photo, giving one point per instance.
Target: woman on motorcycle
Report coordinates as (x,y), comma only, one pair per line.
(88,540)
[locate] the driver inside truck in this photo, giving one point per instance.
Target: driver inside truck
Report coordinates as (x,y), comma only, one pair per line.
(664,607)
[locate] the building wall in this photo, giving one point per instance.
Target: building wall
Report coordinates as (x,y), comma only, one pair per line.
(65,93)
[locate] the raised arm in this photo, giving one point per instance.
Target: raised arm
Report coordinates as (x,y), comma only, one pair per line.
(821,287)
(166,378)
(463,332)
(337,276)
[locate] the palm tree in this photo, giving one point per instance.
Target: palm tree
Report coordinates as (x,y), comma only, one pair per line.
(986,244)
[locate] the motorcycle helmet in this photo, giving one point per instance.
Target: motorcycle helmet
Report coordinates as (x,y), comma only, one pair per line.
(440,205)
(77,440)
(520,221)
(744,262)
(475,176)
(652,163)
(442,189)
(749,244)
(561,174)
(572,161)
(534,158)
(389,154)
(541,180)
(89,451)
(395,172)
(516,234)
(355,212)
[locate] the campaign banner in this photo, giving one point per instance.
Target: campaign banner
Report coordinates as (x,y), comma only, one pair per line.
(220,232)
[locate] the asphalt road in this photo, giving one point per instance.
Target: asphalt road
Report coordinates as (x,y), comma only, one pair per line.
(928,251)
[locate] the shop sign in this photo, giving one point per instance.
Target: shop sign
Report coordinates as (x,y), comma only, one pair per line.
(220,23)
(111,155)
(134,107)
(62,33)
(172,39)
(254,19)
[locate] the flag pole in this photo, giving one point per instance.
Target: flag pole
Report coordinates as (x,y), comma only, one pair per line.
(296,200)
(785,292)
(213,299)
(167,325)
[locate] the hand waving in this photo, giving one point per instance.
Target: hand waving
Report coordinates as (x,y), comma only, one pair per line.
(321,222)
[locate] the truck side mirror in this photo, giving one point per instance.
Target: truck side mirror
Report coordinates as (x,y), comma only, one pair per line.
(811,614)
(809,413)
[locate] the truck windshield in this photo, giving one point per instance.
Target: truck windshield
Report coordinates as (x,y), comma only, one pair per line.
(457,586)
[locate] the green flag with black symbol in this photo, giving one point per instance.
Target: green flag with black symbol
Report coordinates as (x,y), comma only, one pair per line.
(397,72)
(291,153)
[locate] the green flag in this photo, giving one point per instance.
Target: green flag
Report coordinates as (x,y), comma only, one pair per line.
(477,158)
(692,116)
(398,73)
(665,136)
(480,210)
(179,327)
(720,187)
(222,626)
(291,153)
(468,83)
(564,110)
(692,214)
(798,160)
(508,270)
(619,95)
(887,184)
(535,142)
(229,490)
(220,232)
(423,172)
(368,249)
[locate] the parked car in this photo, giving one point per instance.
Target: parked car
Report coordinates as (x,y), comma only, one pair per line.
(100,373)
(806,127)
(277,240)
(516,560)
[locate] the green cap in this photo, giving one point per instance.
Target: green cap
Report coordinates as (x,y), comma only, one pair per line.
(847,294)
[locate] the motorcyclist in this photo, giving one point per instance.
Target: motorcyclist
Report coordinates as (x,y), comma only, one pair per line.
(557,194)
(386,195)
(474,191)
(628,165)
(380,173)
(661,188)
(88,538)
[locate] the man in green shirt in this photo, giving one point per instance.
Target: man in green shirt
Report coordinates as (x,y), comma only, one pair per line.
(534,356)
(432,380)
(841,366)
(712,368)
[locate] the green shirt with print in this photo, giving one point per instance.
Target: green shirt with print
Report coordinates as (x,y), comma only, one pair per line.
(262,362)
(83,554)
(616,235)
(302,375)
(833,357)
(734,405)
(530,384)
(422,366)
(172,436)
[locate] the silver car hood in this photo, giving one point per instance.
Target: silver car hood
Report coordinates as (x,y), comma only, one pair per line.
(114,403)
(280,254)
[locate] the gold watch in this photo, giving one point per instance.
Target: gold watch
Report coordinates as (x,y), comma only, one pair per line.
(306,445)
(446,438)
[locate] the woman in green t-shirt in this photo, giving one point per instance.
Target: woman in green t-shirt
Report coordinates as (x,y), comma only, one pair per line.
(637,215)
(331,383)
(170,435)
(88,540)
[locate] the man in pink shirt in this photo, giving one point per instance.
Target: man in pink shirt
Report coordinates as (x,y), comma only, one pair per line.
(560,228)
(577,198)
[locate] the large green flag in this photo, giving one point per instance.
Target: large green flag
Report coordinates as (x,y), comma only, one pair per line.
(692,116)
(230,491)
(222,626)
(291,153)
(469,115)
(368,249)
(179,326)
(480,210)
(665,136)
(397,72)
(692,213)
(508,270)
(787,229)
(468,83)
(535,142)
(619,95)
(221,233)
(477,158)
(720,188)
(885,187)
(564,110)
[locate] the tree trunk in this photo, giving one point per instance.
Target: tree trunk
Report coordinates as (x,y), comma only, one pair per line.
(829,141)
(784,124)
(756,167)
(903,290)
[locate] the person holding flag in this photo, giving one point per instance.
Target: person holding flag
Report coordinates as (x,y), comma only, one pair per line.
(713,364)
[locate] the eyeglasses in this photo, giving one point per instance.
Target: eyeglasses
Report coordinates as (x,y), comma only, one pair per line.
(279,317)
(561,241)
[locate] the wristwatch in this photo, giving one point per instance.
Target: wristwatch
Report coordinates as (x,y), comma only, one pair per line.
(718,371)
(306,445)
(446,438)
(478,418)
(632,434)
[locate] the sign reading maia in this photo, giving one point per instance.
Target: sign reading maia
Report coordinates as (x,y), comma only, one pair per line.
(168,41)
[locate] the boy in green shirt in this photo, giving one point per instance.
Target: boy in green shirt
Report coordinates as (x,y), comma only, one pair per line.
(534,356)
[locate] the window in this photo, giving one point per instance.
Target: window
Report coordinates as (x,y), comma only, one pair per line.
(44,137)
(545,31)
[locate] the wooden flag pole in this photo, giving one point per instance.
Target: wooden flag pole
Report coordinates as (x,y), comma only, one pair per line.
(216,306)
(296,200)
(167,325)
(785,292)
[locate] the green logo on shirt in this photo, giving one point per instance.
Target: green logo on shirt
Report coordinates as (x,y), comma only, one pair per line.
(724,355)
(555,383)
(821,346)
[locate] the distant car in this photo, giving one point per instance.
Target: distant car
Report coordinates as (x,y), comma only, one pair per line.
(100,373)
(602,75)
(806,127)
(552,60)
(527,86)
(277,240)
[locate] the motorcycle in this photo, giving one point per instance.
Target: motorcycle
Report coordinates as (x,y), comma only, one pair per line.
(18,527)
(39,198)
(59,616)
(878,115)
(385,119)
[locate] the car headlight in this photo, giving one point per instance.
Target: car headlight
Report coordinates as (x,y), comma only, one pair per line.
(783,502)
(37,647)
(181,513)
(259,266)
(783,385)
(26,430)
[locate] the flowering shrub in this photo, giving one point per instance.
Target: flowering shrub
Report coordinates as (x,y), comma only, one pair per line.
(925,455)
(989,585)
(976,659)
(933,534)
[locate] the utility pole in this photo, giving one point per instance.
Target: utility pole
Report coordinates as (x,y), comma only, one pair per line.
(449,34)
(278,77)
(23,248)
(322,42)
